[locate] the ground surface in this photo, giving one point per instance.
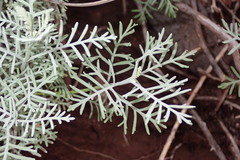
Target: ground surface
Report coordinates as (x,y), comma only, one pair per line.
(87,139)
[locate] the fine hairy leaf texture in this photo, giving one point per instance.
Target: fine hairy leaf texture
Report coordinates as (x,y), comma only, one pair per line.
(233,31)
(35,56)
(103,84)
(148,6)
(232,83)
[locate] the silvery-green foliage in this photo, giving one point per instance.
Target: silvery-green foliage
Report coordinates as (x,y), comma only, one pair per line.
(34,60)
(146,101)
(155,5)
(59,11)
(35,56)
(233,31)
(232,83)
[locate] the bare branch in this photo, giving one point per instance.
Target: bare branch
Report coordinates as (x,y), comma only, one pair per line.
(213,27)
(234,147)
(88,4)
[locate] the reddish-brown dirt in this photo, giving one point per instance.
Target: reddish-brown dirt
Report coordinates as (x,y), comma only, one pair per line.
(88,139)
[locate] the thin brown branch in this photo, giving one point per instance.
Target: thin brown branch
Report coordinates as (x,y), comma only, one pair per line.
(230,11)
(221,100)
(214,7)
(234,147)
(209,75)
(88,4)
(179,72)
(144,157)
(212,98)
(206,50)
(174,151)
(124,6)
(213,27)
(236,7)
(86,151)
(237,117)
(214,146)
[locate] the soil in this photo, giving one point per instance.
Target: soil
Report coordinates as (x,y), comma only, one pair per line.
(88,139)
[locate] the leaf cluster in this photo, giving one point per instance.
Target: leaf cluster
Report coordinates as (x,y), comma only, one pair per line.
(148,6)
(36,56)
(232,83)
(103,82)
(233,31)
(34,60)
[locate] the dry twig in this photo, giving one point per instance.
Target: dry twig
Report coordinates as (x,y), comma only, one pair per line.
(213,27)
(214,146)
(221,99)
(174,151)
(86,151)
(212,98)
(88,4)
(236,7)
(144,157)
(214,7)
(205,49)
(209,75)
(179,72)
(230,11)
(124,6)
(234,147)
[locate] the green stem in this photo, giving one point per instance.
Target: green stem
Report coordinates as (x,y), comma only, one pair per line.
(72,91)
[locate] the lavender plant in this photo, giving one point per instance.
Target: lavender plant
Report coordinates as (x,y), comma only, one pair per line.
(36,56)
